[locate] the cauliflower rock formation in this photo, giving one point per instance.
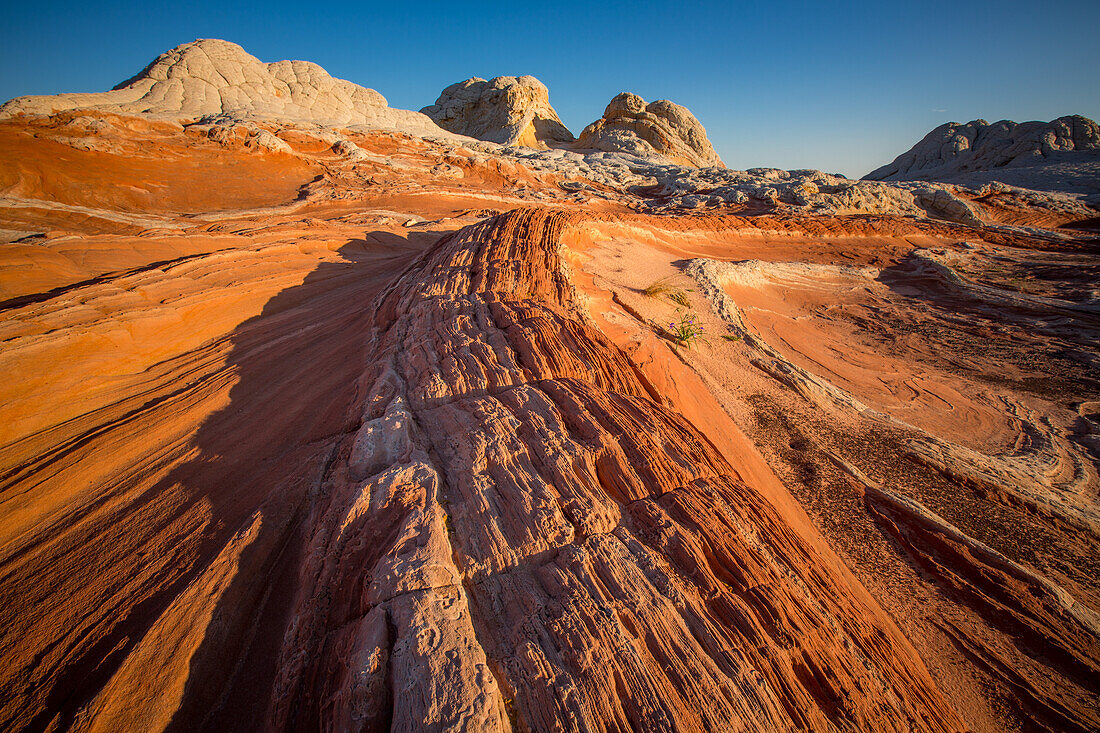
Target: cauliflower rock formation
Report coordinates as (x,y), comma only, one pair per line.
(659,129)
(211,77)
(511,110)
(1025,154)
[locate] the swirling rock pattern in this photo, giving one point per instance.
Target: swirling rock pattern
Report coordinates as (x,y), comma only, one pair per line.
(575,551)
(312,427)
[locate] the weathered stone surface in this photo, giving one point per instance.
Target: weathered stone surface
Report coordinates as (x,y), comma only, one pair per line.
(582,507)
(211,77)
(307,427)
(659,129)
(1028,154)
(508,110)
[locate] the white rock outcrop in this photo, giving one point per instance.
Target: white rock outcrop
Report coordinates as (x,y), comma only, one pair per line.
(211,77)
(661,130)
(510,110)
(651,184)
(1017,153)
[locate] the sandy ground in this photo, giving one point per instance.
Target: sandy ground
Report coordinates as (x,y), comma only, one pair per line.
(921,362)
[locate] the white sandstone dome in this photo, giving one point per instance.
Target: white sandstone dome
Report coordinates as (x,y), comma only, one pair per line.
(211,77)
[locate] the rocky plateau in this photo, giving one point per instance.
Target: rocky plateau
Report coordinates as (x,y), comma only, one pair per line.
(323,415)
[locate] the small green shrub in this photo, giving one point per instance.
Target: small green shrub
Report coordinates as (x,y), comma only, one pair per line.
(685,331)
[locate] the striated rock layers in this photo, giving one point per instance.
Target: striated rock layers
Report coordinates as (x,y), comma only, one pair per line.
(509,110)
(525,529)
(261,469)
(1015,153)
(211,77)
(308,428)
(659,129)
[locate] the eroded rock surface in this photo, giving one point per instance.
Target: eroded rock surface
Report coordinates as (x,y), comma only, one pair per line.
(210,77)
(660,129)
(1063,154)
(609,558)
(508,110)
(321,427)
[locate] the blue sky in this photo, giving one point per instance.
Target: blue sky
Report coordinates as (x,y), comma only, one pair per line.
(830,85)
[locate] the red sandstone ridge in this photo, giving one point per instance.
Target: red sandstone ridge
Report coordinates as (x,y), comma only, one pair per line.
(360,430)
(524,522)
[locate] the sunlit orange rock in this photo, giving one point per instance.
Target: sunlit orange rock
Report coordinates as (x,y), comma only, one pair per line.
(360,430)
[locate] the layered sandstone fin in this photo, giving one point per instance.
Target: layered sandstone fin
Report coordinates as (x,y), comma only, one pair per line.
(605,567)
